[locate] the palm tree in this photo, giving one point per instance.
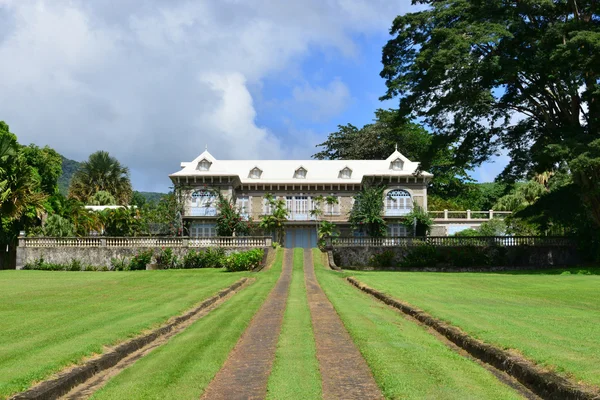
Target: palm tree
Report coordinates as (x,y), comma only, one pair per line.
(101,172)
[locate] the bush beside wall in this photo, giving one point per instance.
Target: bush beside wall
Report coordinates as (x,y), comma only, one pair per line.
(165,258)
(427,257)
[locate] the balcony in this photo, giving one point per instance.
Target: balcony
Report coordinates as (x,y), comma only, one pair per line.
(203,211)
(397,212)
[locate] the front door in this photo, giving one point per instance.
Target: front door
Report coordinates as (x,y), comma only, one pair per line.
(304,237)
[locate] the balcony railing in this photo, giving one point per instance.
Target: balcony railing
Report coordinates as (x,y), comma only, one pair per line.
(468,215)
(203,212)
(397,212)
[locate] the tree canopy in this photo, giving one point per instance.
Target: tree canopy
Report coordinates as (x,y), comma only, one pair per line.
(101,172)
(376,141)
(522,76)
(28,177)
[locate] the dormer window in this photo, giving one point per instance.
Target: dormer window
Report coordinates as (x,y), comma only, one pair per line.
(397,165)
(346,173)
(204,165)
(300,173)
(255,173)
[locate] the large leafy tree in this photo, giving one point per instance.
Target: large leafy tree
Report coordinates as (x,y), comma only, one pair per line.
(376,141)
(20,191)
(518,75)
(27,180)
(101,172)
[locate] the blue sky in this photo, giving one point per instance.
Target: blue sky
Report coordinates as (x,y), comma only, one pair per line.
(155,84)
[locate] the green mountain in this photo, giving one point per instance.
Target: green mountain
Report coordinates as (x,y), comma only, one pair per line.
(70,166)
(68,169)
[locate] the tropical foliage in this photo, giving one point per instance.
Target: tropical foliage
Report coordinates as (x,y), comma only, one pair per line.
(230,221)
(274,221)
(521,76)
(366,215)
(376,141)
(27,183)
(101,172)
(418,220)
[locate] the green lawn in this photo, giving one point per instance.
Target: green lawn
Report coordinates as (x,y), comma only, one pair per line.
(295,373)
(407,361)
(551,319)
(49,320)
(183,367)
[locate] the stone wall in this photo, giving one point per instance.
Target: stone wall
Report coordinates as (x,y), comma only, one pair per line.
(96,256)
(516,257)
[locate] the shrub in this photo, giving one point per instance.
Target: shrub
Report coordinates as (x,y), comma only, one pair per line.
(73,265)
(214,258)
(166,259)
(244,261)
(210,258)
(139,261)
(420,257)
(119,264)
(382,260)
(193,259)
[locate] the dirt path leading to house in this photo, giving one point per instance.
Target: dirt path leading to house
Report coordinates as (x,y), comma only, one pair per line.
(344,371)
(246,372)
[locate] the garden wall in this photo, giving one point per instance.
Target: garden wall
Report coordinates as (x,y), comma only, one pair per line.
(455,258)
(96,256)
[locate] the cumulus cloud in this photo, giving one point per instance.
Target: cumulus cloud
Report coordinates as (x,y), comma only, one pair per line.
(153,82)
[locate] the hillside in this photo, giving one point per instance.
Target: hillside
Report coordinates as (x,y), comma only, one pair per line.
(70,166)
(68,169)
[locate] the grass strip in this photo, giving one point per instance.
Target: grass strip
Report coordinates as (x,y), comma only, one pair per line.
(53,319)
(183,367)
(295,372)
(407,361)
(552,320)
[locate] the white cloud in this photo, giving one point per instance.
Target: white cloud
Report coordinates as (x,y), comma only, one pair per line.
(153,82)
(319,103)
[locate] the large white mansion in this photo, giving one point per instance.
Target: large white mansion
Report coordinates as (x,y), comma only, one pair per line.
(298,182)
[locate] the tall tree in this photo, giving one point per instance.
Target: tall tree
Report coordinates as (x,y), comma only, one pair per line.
(518,75)
(26,182)
(101,172)
(376,141)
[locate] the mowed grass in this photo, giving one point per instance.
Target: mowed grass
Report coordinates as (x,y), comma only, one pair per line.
(49,320)
(295,373)
(184,366)
(407,361)
(551,319)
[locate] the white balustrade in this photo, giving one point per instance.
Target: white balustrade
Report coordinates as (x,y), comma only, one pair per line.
(158,242)
(452,241)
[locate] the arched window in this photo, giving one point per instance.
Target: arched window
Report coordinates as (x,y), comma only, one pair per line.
(398,202)
(204,204)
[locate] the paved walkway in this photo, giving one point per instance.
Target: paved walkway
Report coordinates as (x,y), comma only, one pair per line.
(246,372)
(344,371)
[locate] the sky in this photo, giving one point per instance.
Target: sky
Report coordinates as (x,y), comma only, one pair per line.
(155,82)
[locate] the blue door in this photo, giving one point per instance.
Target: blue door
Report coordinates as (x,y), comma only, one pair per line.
(304,237)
